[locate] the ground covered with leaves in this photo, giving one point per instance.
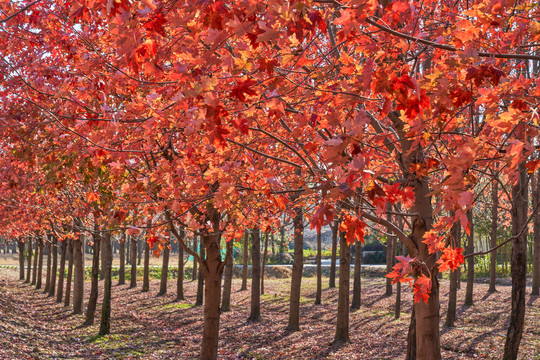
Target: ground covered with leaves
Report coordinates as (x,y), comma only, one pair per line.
(144,326)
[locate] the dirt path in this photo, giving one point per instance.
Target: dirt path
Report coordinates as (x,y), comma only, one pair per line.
(33,326)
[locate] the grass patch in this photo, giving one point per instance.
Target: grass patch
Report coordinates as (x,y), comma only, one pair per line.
(177,305)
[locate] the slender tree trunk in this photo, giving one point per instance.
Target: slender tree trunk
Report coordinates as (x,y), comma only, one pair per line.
(106,263)
(195,264)
(146,269)
(39,279)
(139,251)
(245,262)
(164,271)
(29,262)
(67,298)
(493,243)
(92,301)
(133,280)
(49,259)
(54,269)
(536,255)
(318,293)
(78,276)
(127,239)
(282,240)
(263,263)
(122,268)
(470,263)
(180,279)
(452,296)
(389,255)
(332,281)
(61,273)
(518,265)
(397,309)
(21,259)
(342,320)
(255,314)
(227,285)
(357,282)
(102,262)
(36,255)
(298,265)
(411,338)
(200,277)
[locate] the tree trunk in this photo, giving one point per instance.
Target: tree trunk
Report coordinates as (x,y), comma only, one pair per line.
(29,262)
(470,263)
(200,277)
(342,320)
(332,281)
(411,338)
(245,262)
(39,279)
(78,276)
(357,282)
(146,268)
(102,261)
(282,240)
(139,251)
(21,259)
(389,255)
(518,265)
(106,263)
(122,268)
(54,269)
(195,264)
(454,279)
(61,273)
(67,297)
(263,263)
(255,314)
(133,280)
(298,265)
(36,255)
(180,279)
(48,275)
(318,293)
(493,243)
(164,271)
(92,300)
(536,255)
(226,301)
(397,308)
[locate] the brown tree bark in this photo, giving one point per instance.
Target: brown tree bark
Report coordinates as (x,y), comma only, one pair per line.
(454,279)
(389,255)
(133,256)
(518,265)
(298,265)
(357,282)
(105,322)
(263,262)
(21,259)
(180,279)
(195,264)
(67,297)
(146,268)
(200,276)
(36,255)
(164,271)
(49,263)
(332,280)
(536,245)
(397,308)
(78,275)
(54,269)
(40,263)
(255,314)
(29,260)
(493,242)
(318,293)
(61,273)
(342,319)
(245,262)
(470,263)
(227,284)
(92,300)
(122,268)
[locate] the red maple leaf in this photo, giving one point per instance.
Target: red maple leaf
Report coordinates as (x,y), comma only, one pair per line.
(422,288)
(323,216)
(354,228)
(402,270)
(452,258)
(242,89)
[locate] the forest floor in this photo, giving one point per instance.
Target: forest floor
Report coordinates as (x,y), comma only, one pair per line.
(144,326)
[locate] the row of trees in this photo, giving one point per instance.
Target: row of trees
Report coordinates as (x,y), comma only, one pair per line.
(204,119)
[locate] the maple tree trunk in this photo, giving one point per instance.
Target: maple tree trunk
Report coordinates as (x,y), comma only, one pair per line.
(78,276)
(21,259)
(518,265)
(411,338)
(105,322)
(263,262)
(357,281)
(146,268)
(245,263)
(342,320)
(164,271)
(298,265)
(255,314)
(139,251)
(48,274)
(133,280)
(318,293)
(389,255)
(29,261)
(54,269)
(102,261)
(332,280)
(227,284)
(282,240)
(470,263)
(92,300)
(61,273)
(536,246)
(36,255)
(200,276)
(122,268)
(454,279)
(128,249)
(195,264)
(397,308)
(67,296)
(180,278)
(39,279)
(493,242)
